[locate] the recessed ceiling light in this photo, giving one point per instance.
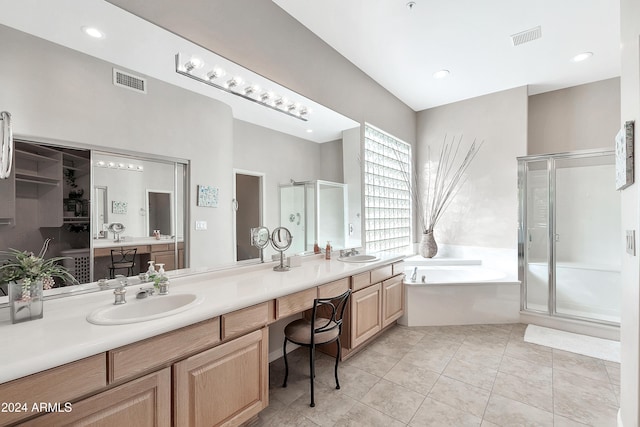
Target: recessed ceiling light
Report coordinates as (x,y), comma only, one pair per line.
(582,56)
(309,130)
(440,74)
(93,32)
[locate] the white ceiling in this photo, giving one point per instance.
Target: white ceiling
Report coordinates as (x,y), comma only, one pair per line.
(398,47)
(402,48)
(139,46)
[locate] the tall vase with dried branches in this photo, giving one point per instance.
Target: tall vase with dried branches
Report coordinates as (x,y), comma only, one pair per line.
(433,193)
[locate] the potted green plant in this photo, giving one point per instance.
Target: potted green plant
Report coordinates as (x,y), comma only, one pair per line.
(26,276)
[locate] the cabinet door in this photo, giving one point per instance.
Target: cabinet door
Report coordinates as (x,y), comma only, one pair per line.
(366,320)
(166,258)
(180,258)
(142,402)
(392,300)
(225,385)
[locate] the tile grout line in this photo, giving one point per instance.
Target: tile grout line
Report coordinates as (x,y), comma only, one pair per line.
(484,413)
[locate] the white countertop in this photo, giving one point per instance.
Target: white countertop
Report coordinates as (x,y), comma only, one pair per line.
(64,335)
(131,241)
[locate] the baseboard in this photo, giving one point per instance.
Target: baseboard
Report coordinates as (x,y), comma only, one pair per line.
(277,354)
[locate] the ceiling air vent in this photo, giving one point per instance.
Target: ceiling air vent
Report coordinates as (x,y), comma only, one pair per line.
(129,81)
(526,36)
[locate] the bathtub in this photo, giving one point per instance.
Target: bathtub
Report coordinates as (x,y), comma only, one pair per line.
(460,295)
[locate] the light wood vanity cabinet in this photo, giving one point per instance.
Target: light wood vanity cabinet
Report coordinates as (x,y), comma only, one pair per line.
(295,303)
(61,384)
(377,301)
(143,356)
(225,385)
(366,320)
(210,373)
(164,254)
(143,402)
(392,300)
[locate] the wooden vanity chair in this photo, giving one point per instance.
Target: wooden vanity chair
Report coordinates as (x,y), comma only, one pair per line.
(122,259)
(327,317)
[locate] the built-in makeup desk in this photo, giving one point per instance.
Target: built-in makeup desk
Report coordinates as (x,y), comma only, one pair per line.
(204,366)
(160,251)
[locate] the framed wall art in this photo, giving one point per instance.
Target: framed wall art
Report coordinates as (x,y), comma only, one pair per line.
(624,156)
(118,207)
(207,196)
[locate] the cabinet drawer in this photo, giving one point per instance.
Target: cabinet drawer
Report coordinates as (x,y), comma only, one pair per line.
(245,320)
(333,289)
(62,384)
(144,356)
(161,247)
(142,402)
(398,268)
(360,281)
(295,303)
(381,273)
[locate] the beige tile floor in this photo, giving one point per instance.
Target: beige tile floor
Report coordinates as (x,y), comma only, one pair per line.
(479,375)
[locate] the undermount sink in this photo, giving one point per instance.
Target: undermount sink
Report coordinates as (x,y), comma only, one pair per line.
(358,258)
(141,310)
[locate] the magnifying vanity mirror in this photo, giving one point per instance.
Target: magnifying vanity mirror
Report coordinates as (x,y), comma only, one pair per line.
(281,240)
(260,239)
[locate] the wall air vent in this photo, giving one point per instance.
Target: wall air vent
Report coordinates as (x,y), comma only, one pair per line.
(526,36)
(129,81)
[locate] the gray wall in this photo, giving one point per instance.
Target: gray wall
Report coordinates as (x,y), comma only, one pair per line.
(264,38)
(577,118)
(485,211)
(77,103)
(282,158)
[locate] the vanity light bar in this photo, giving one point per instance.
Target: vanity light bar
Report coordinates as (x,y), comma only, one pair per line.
(236,86)
(119,165)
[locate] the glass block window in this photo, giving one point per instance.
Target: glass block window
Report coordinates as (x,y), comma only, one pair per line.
(387,199)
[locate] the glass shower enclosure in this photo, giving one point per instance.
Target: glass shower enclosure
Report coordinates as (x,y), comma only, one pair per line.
(314,211)
(569,236)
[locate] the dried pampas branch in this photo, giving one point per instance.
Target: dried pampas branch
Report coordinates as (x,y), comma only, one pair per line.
(441,186)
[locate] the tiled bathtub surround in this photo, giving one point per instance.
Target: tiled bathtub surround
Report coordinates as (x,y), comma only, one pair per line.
(479,375)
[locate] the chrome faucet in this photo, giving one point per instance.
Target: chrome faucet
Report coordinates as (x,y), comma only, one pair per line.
(145,292)
(348,252)
(414,276)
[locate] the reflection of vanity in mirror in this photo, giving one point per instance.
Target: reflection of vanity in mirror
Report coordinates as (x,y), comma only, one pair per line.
(173,123)
(138,193)
(51,194)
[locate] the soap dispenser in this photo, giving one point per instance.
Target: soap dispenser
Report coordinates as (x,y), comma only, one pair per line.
(152,269)
(327,253)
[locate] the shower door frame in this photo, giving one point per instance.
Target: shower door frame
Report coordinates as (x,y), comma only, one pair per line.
(552,232)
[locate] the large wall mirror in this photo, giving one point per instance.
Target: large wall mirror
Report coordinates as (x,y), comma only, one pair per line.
(181,133)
